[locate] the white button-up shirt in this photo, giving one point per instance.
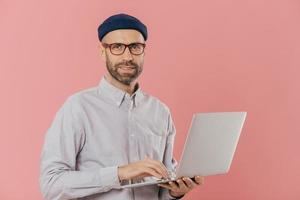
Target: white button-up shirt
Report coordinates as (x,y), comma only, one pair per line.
(95,131)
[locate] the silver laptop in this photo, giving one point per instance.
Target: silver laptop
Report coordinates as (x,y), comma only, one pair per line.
(208,149)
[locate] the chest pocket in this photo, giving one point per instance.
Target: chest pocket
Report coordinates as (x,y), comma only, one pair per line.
(150,142)
(155,145)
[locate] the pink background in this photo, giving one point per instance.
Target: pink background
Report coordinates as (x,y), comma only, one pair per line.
(202,56)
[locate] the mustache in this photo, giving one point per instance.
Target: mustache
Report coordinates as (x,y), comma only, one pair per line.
(129,63)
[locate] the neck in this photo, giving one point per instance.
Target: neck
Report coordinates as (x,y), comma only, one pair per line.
(127,88)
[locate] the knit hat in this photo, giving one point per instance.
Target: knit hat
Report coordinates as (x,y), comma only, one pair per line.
(121,21)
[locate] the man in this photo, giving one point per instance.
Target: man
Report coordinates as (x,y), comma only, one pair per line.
(113,133)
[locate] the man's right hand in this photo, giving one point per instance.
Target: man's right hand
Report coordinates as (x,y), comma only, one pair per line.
(141,169)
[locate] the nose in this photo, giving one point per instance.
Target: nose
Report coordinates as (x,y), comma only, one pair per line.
(127,55)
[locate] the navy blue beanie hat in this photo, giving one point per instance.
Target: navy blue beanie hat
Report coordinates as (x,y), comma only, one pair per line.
(121,21)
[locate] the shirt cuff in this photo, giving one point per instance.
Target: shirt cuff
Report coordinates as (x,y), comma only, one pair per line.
(165,195)
(171,197)
(109,177)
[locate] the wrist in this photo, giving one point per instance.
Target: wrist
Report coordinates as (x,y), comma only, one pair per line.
(120,174)
(175,194)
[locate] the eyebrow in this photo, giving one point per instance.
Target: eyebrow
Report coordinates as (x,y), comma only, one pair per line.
(126,43)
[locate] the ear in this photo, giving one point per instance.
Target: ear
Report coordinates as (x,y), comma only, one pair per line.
(102,52)
(145,50)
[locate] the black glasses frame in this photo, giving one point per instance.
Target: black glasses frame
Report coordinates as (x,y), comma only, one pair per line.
(106,45)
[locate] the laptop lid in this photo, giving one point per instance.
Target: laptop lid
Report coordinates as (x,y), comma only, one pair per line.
(211,143)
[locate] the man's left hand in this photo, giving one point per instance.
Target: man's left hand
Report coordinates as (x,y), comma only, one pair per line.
(183,185)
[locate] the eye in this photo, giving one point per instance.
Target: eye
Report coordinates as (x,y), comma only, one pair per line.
(134,46)
(117,46)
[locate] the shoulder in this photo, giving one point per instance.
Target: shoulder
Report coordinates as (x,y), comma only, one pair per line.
(76,101)
(82,96)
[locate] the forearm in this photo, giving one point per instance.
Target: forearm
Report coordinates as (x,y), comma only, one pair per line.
(67,184)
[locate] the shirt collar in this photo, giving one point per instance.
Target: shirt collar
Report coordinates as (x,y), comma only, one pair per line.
(117,95)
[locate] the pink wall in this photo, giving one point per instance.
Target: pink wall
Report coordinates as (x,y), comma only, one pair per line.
(202,56)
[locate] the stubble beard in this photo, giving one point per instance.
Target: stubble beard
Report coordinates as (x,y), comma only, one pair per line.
(124,79)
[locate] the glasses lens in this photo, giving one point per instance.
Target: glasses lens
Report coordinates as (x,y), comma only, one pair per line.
(117,48)
(136,48)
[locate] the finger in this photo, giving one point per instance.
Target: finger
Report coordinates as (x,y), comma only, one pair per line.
(163,167)
(158,166)
(190,184)
(173,185)
(155,168)
(165,185)
(151,172)
(199,180)
(182,186)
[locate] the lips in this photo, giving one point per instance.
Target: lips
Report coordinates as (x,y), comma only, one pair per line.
(126,66)
(126,69)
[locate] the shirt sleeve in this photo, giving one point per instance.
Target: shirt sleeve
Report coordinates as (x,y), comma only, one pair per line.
(59,178)
(169,161)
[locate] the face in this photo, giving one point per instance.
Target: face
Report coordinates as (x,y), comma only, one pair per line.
(126,67)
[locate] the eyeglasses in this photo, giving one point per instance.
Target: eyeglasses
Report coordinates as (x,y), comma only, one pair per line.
(119,48)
